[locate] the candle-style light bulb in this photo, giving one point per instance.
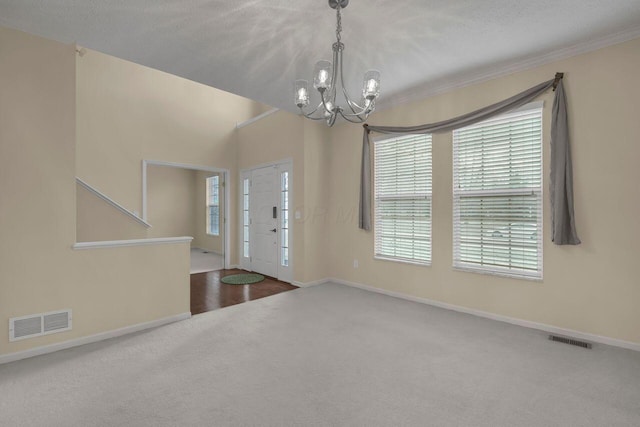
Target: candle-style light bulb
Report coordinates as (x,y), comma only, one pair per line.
(329,106)
(322,75)
(371,87)
(302,93)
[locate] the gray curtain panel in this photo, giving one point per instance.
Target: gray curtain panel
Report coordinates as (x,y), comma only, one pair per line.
(563,226)
(364,218)
(563,222)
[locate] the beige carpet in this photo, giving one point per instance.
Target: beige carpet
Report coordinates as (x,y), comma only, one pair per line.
(327,355)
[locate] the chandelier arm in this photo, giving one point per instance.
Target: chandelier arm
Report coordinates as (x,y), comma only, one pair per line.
(352,104)
(324,102)
(365,110)
(344,89)
(313,118)
(361,116)
(309,115)
(356,118)
(356,109)
(358,115)
(347,117)
(334,72)
(353,107)
(332,119)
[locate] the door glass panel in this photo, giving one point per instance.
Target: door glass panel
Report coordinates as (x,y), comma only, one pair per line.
(245,217)
(284,224)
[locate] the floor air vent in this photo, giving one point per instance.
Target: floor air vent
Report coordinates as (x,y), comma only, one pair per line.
(570,341)
(36,325)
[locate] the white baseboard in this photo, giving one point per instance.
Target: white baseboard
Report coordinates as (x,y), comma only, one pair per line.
(11,357)
(236,266)
(519,322)
(309,284)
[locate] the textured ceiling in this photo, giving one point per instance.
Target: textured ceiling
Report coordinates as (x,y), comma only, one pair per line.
(258,48)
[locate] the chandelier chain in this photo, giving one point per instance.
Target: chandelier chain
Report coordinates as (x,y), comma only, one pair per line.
(339,24)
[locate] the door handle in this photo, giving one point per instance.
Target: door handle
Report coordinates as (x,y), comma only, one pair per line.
(274,230)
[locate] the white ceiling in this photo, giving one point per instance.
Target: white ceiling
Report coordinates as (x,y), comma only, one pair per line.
(258,48)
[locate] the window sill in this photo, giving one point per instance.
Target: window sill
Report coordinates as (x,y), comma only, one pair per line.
(403,261)
(508,275)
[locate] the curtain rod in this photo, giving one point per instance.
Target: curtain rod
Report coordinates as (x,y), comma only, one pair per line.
(559,77)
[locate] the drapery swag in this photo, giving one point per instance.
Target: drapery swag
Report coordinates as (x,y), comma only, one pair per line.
(563,229)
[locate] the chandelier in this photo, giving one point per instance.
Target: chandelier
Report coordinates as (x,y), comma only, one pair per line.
(327,78)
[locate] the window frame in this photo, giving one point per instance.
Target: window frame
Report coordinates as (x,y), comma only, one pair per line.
(537,192)
(426,195)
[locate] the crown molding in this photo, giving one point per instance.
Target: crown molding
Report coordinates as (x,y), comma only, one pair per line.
(256,118)
(428,90)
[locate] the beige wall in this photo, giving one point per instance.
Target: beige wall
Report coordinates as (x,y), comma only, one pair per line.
(277,137)
(97,220)
(98,117)
(316,197)
(127,113)
(287,136)
(171,201)
(593,287)
(107,288)
(201,239)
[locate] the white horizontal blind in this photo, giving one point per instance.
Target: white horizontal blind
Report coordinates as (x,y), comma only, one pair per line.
(497,195)
(402,170)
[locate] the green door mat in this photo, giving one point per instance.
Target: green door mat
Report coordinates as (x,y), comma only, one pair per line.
(242,279)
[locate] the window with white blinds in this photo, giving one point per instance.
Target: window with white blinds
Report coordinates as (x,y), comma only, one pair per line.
(497,195)
(402,180)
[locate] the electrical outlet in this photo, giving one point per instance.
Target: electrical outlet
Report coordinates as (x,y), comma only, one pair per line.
(355,263)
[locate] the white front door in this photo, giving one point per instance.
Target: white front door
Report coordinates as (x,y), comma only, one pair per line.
(266,232)
(264,224)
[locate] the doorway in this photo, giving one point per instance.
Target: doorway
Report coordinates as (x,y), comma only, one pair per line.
(266,201)
(189,200)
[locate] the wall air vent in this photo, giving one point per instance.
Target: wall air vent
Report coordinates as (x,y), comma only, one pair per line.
(37,325)
(570,341)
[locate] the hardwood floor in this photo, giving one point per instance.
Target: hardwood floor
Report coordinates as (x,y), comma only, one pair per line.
(208,293)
